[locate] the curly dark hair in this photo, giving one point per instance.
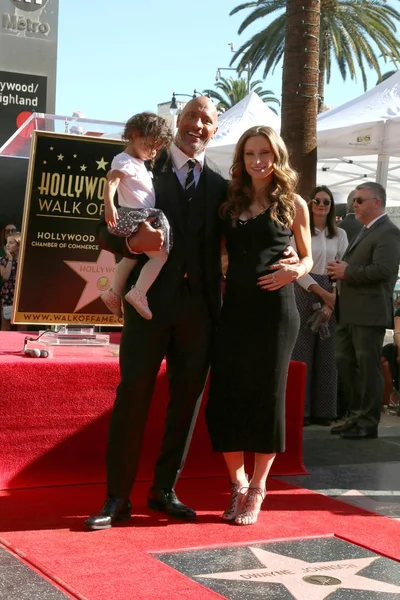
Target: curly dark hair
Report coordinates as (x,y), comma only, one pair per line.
(148,125)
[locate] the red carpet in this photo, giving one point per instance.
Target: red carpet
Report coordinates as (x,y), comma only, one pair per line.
(55,414)
(45,527)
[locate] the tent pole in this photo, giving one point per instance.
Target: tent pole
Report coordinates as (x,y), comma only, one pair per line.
(382,168)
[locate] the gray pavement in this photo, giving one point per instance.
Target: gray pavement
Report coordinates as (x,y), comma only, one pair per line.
(365,473)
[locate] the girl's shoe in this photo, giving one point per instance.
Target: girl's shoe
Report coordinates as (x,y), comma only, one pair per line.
(113,302)
(238,493)
(139,301)
(251,506)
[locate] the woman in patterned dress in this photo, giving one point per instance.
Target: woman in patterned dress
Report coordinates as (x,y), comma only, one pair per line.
(328,243)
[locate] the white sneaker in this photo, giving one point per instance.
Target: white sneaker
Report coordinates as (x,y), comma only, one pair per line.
(139,301)
(113,302)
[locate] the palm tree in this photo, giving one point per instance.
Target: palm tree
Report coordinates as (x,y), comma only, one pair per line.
(237,89)
(347,29)
(385,76)
(300,90)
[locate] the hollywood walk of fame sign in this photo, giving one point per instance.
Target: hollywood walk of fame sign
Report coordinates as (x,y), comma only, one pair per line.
(62,270)
(310,569)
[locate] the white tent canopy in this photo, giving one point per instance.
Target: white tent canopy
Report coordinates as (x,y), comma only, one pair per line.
(369,124)
(342,164)
(247,113)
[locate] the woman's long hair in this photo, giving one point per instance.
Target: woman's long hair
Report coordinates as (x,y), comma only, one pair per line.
(330,217)
(281,191)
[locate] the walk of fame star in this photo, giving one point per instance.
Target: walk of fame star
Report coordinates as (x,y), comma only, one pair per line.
(305,580)
(97,275)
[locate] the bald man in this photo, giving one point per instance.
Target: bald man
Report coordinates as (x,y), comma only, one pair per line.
(185,301)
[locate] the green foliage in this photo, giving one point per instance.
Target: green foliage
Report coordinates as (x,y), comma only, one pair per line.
(235,90)
(354,33)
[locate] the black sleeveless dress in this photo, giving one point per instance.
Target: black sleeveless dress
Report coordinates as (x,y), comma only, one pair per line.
(254,342)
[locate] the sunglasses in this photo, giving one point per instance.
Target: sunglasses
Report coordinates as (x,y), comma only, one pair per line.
(361,200)
(325,202)
(10,231)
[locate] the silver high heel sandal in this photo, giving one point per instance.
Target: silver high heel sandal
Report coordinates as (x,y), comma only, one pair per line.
(251,506)
(238,493)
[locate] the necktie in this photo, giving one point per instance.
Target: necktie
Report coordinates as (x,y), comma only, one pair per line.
(361,233)
(189,181)
(358,237)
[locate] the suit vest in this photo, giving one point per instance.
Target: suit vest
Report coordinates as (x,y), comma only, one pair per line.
(194,215)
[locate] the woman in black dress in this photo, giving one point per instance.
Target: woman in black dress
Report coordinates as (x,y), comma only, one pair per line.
(259,320)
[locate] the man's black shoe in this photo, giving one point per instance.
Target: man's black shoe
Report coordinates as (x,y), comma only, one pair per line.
(167,501)
(360,433)
(114,509)
(342,428)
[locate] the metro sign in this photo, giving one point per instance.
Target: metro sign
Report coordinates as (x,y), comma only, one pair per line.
(19,23)
(29,5)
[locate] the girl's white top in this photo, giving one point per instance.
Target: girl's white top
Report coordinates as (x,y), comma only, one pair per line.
(136,189)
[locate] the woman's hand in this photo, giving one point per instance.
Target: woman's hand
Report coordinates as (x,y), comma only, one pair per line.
(327,311)
(9,256)
(329,299)
(273,281)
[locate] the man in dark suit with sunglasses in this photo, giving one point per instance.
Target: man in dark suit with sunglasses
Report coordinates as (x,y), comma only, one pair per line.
(367,276)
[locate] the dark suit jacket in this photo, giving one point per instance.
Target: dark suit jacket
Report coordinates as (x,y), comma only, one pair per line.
(351,226)
(366,293)
(163,293)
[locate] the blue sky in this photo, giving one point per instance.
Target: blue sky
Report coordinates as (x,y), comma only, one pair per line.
(117,58)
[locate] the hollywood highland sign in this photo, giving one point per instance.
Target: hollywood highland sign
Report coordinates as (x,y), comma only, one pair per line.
(21,23)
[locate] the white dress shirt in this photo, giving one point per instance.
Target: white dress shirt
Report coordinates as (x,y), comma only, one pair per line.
(179,162)
(324,250)
(374,221)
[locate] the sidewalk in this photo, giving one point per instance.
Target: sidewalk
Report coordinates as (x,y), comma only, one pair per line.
(365,473)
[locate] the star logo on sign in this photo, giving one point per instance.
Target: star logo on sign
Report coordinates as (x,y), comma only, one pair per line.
(60,157)
(307,581)
(83,167)
(98,276)
(101,164)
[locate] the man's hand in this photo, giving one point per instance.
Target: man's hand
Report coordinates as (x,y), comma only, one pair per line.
(147,239)
(336,269)
(290,257)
